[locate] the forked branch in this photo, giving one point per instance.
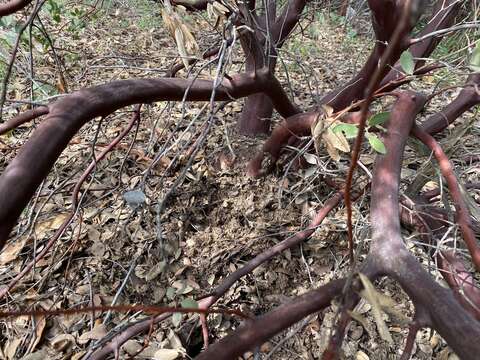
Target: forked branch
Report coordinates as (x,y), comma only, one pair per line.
(22,176)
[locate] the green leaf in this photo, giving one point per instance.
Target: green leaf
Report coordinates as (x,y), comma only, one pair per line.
(171,292)
(376,143)
(475,58)
(10,37)
(189,303)
(176,319)
(407,63)
(350,130)
(7,21)
(378,119)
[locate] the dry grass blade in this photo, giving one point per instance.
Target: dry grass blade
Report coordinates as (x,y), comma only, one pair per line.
(370,294)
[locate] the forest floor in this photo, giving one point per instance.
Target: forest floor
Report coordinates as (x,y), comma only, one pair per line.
(217,219)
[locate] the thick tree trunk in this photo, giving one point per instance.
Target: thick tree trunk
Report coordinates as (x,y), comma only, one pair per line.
(255,116)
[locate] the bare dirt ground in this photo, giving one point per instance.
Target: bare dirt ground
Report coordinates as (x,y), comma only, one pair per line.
(216,220)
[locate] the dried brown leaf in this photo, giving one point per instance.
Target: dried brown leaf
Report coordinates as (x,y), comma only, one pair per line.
(332,151)
(337,140)
(370,294)
(50,224)
(179,38)
(11,348)
(98,332)
(11,251)
(167,354)
(62,342)
(40,323)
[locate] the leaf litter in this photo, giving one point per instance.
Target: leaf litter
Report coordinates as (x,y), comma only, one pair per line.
(216,221)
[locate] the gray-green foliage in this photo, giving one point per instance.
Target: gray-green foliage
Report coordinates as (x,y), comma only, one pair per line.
(148,13)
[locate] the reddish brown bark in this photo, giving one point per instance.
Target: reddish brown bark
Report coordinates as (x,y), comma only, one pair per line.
(259,52)
(468,97)
(462,213)
(22,176)
(443,16)
(435,305)
(13,6)
(385,15)
(298,125)
(431,224)
(256,115)
(287,20)
(388,251)
(256,332)
(460,281)
(260,49)
(258,109)
(22,119)
(290,128)
(440,308)
(75,194)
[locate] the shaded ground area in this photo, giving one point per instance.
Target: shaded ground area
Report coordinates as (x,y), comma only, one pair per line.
(217,219)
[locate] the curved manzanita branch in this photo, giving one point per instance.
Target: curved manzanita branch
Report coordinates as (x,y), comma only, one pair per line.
(227,283)
(180,65)
(385,18)
(388,256)
(468,97)
(408,10)
(135,118)
(133,330)
(22,119)
(277,249)
(413,329)
(297,125)
(443,16)
(260,47)
(431,228)
(256,332)
(462,213)
(388,252)
(334,347)
(13,6)
(22,176)
(287,20)
(461,281)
